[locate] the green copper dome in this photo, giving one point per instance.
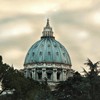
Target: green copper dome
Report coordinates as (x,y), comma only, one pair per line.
(47,50)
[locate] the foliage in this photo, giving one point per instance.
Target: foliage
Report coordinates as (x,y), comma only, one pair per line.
(24,88)
(75,88)
(78,87)
(94,79)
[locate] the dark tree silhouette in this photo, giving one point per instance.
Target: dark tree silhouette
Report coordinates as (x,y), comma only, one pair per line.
(24,88)
(78,87)
(0,60)
(94,79)
(72,89)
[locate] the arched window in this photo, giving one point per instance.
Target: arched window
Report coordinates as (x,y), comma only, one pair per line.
(33,53)
(55,45)
(49,53)
(48,45)
(64,54)
(49,76)
(39,76)
(58,76)
(40,53)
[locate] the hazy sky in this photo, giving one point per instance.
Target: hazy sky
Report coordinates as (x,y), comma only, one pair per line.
(76,24)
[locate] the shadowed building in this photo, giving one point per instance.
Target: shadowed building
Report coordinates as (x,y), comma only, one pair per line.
(47,58)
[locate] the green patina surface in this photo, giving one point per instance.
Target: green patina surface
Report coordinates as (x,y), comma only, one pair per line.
(47,50)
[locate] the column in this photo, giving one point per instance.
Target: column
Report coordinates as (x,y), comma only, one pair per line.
(61,76)
(64,74)
(29,73)
(33,74)
(26,73)
(67,74)
(44,73)
(36,74)
(55,74)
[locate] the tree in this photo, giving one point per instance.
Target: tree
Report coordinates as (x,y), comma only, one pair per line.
(13,79)
(74,88)
(80,87)
(94,79)
(3,69)
(1,60)
(24,88)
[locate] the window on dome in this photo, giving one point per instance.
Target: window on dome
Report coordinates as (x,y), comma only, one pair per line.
(33,53)
(48,45)
(49,53)
(63,54)
(39,76)
(55,45)
(40,53)
(57,53)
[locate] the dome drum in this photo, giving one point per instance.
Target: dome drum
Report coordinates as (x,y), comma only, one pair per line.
(51,74)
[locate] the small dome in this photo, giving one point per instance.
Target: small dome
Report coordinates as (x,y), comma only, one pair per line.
(47,50)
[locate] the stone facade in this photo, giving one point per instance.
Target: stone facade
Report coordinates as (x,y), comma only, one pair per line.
(53,72)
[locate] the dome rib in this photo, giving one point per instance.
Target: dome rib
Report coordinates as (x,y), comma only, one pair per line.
(39,53)
(60,52)
(52,47)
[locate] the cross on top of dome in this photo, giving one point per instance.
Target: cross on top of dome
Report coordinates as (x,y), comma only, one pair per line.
(47,31)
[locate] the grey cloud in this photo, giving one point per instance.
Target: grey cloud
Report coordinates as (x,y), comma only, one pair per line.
(76,19)
(19,17)
(64,23)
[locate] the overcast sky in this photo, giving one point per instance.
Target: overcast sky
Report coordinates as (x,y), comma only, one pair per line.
(76,24)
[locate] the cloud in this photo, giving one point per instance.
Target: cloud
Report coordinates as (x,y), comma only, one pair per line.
(16,31)
(14,53)
(96,17)
(75,24)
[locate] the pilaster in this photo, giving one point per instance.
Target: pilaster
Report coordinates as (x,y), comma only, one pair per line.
(64,74)
(34,74)
(26,73)
(44,73)
(55,75)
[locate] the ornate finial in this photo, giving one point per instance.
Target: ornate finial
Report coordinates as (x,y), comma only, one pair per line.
(47,31)
(47,25)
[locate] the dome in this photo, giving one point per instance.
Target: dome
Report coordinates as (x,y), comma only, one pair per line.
(47,50)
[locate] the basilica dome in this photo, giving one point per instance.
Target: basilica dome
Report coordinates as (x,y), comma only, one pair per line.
(47,50)
(47,59)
